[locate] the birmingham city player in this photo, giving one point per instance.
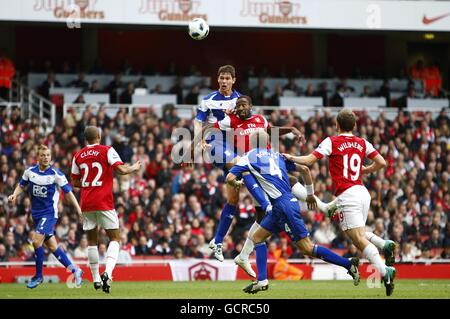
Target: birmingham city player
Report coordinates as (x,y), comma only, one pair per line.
(42,181)
(346,153)
(271,172)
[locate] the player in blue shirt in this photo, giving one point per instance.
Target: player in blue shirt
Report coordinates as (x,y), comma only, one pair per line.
(43,181)
(270,169)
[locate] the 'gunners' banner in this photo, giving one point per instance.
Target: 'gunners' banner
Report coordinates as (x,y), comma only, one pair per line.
(297,14)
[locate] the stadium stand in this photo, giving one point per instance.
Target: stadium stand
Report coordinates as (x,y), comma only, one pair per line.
(166,208)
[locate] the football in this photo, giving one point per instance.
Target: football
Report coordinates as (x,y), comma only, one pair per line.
(198,29)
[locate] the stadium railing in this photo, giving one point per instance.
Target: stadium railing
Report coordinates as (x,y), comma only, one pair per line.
(187,111)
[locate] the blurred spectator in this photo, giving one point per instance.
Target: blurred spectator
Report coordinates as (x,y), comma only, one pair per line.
(143,247)
(325,234)
(95,87)
(435,241)
(366,92)
(385,91)
(114,88)
(178,89)
(178,254)
(258,92)
(81,251)
(338,98)
(402,102)
(157,89)
(417,71)
(7,72)
(141,84)
(323,92)
(292,87)
(3,254)
(80,82)
(192,96)
(310,90)
(51,82)
(275,98)
(127,95)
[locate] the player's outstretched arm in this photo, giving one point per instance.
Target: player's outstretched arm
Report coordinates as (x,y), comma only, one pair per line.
(378,163)
(17,191)
(307,178)
(232,181)
(307,160)
(286,130)
(73,200)
(126,169)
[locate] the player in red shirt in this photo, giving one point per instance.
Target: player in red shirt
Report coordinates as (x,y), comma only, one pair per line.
(346,153)
(93,170)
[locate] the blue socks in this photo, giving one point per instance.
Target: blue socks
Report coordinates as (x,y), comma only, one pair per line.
(256,191)
(226,218)
(330,257)
(261,260)
(63,259)
(39,259)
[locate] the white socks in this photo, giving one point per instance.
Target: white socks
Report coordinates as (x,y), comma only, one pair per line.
(111,256)
(249,245)
(376,240)
(372,254)
(93,263)
(299,192)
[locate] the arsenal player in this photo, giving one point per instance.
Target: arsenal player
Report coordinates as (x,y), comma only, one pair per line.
(346,153)
(93,170)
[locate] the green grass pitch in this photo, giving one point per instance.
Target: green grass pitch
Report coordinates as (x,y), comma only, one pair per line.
(308,289)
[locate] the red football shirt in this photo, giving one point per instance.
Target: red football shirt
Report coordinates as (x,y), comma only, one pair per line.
(242,129)
(346,154)
(94,166)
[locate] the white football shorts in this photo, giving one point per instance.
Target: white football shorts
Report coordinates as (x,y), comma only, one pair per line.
(106,219)
(353,207)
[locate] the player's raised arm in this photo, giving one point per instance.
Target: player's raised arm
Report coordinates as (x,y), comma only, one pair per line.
(286,130)
(17,191)
(19,188)
(125,169)
(307,160)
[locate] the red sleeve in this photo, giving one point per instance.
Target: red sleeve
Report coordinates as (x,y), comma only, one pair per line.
(317,154)
(75,176)
(373,154)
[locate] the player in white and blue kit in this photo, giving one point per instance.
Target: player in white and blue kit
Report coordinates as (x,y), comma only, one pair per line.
(212,109)
(43,181)
(270,170)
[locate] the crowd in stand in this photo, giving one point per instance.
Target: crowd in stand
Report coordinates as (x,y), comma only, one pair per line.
(171,211)
(121,92)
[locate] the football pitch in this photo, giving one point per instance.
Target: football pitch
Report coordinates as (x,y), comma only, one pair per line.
(308,289)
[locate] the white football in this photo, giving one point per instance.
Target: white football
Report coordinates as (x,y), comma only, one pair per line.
(198,29)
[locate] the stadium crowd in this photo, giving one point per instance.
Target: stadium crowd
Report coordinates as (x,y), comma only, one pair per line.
(171,211)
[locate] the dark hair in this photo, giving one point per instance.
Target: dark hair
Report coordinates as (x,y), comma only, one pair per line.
(346,120)
(248,98)
(227,69)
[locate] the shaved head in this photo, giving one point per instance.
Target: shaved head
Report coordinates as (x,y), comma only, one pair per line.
(92,134)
